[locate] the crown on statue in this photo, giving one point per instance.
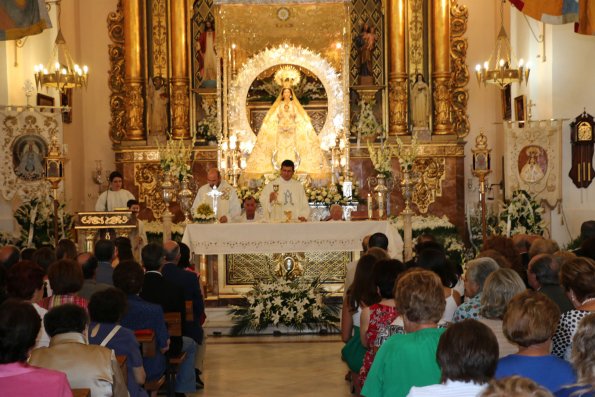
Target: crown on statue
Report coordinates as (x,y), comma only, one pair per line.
(287,76)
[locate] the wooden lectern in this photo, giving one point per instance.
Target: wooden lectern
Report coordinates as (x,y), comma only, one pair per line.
(91,226)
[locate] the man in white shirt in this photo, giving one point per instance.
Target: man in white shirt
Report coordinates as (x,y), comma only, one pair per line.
(249,215)
(290,195)
(228,204)
(138,236)
(115,197)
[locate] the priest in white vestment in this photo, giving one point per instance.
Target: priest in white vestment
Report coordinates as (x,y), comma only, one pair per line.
(227,202)
(115,197)
(290,196)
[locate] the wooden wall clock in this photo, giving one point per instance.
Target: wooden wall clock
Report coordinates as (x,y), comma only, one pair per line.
(582,140)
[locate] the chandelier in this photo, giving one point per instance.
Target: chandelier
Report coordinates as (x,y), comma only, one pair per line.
(60,72)
(502,67)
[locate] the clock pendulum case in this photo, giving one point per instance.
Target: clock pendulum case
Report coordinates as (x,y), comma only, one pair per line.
(581,138)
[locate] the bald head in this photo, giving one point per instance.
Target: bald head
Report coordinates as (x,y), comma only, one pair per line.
(213,177)
(171,251)
(336,212)
(9,255)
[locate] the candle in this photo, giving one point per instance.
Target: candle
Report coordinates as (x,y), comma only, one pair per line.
(380,205)
(370,206)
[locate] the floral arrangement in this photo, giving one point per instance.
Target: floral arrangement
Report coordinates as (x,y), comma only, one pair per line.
(154,231)
(204,213)
(208,127)
(293,303)
(244,192)
(366,125)
(408,155)
(324,196)
(442,229)
(175,157)
(381,158)
(521,215)
(36,220)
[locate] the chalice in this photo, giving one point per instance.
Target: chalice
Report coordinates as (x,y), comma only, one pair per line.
(288,215)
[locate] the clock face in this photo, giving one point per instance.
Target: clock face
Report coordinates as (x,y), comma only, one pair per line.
(283,14)
(585,131)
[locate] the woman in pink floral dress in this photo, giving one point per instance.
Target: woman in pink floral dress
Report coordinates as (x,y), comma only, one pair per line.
(380,314)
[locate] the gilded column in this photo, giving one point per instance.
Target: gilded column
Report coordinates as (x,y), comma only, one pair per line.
(397,66)
(133,81)
(180,108)
(441,73)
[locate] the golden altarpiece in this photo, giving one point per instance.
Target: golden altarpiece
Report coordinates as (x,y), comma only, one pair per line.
(350,53)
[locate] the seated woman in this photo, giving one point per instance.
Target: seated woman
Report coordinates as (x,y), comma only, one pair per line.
(362,293)
(407,360)
(467,355)
(129,277)
(583,360)
(499,288)
(86,366)
(380,314)
(577,276)
(436,261)
(515,386)
(25,281)
(66,279)
(19,327)
(477,272)
(530,322)
(106,308)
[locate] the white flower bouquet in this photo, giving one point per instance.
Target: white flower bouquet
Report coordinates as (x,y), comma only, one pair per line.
(298,304)
(381,157)
(154,231)
(175,158)
(521,215)
(204,214)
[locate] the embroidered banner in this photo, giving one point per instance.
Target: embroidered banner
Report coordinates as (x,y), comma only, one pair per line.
(25,137)
(533,159)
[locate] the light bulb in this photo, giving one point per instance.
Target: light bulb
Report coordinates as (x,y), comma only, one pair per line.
(486,65)
(85,69)
(501,62)
(56,66)
(521,62)
(478,67)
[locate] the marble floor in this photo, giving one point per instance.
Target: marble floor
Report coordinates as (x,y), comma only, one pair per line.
(289,366)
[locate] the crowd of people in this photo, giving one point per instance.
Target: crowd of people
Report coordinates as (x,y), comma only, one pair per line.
(66,316)
(518,320)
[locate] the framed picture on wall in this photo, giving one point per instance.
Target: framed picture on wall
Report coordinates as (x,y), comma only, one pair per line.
(520,109)
(66,101)
(45,100)
(506,103)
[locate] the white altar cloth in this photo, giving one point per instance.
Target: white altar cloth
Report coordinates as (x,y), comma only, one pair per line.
(251,238)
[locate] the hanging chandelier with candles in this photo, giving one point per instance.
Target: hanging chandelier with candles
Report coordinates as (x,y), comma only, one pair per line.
(60,72)
(502,67)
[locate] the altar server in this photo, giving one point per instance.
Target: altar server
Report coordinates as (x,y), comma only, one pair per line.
(219,193)
(115,197)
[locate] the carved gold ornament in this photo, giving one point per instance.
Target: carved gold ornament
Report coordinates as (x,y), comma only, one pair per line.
(429,186)
(460,72)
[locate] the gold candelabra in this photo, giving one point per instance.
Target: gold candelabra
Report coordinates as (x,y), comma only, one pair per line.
(232,161)
(481,169)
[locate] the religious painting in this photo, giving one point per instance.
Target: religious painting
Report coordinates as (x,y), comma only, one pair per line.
(520,109)
(506,103)
(66,101)
(45,100)
(28,153)
(532,163)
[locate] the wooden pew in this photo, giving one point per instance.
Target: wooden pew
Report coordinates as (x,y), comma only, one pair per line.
(146,338)
(173,321)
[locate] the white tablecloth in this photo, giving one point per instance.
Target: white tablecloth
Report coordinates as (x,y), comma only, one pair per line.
(250,238)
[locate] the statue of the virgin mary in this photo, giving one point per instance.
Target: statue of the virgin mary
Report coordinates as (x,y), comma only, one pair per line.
(287,134)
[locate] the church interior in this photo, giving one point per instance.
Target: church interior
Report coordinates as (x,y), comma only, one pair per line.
(471,119)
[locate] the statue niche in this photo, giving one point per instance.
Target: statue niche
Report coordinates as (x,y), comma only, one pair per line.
(288,128)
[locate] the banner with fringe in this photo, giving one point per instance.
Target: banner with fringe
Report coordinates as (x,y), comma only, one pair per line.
(557,12)
(23,18)
(533,159)
(25,137)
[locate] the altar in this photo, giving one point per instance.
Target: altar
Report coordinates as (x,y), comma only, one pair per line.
(250,251)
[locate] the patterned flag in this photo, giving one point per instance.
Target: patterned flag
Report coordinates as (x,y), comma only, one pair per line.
(551,11)
(20,18)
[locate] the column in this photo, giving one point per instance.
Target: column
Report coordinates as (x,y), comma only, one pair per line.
(397,66)
(441,74)
(133,81)
(180,100)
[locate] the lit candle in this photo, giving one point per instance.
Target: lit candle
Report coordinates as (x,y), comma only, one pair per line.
(380,205)
(370,206)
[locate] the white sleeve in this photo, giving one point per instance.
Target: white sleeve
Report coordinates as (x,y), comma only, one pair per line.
(101,203)
(235,208)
